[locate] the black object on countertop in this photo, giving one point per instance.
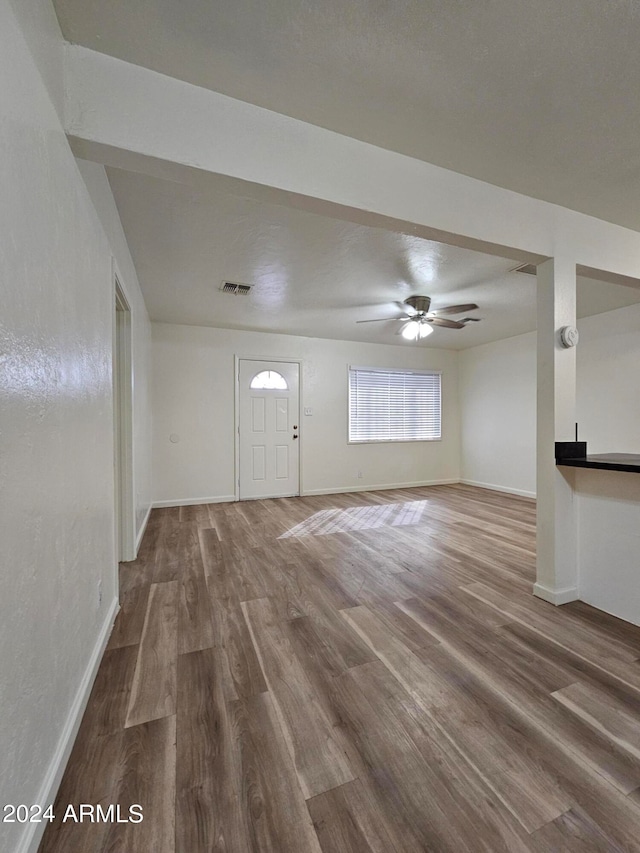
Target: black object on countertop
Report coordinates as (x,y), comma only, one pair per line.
(570,449)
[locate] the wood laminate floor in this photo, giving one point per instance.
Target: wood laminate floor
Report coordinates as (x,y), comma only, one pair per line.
(361,672)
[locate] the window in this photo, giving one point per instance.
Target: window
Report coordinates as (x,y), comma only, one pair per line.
(393,405)
(269,380)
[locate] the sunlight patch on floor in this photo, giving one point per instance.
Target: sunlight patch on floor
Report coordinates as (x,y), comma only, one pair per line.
(358,518)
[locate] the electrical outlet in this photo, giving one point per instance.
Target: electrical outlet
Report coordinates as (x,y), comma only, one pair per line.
(99,593)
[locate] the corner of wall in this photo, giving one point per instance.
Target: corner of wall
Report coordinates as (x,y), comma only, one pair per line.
(41,30)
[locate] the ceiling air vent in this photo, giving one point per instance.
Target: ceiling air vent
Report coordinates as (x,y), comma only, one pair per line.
(235,289)
(528,269)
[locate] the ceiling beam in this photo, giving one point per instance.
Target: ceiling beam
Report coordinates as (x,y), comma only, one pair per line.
(154,122)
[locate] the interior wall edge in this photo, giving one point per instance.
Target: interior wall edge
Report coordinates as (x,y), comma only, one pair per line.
(94,178)
(345,490)
(596,601)
(33,832)
(333,490)
(495,488)
(556,596)
(217,499)
(143,527)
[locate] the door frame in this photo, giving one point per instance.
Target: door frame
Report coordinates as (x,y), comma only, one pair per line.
(236,425)
(122,368)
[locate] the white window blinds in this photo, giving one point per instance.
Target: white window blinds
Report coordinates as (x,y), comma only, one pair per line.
(393,405)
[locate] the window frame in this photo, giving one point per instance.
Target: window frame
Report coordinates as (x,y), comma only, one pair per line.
(405,371)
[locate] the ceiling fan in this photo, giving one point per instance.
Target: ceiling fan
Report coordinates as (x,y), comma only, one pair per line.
(421,322)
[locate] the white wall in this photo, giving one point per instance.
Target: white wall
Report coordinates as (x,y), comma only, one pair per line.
(56,451)
(608,392)
(498,414)
(96,181)
(193,396)
(498,399)
(609,541)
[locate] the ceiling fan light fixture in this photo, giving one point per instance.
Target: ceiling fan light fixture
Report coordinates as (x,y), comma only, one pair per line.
(416,329)
(411,330)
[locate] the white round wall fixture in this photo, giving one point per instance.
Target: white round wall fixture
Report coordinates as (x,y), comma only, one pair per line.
(569,336)
(174,438)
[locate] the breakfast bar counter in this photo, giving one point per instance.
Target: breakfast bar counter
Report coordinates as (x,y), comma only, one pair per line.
(629,462)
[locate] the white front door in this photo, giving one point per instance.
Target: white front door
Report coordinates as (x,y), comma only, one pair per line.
(268,429)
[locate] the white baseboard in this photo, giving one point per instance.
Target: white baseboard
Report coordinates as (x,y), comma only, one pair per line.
(555,596)
(33,832)
(220,499)
(341,490)
(143,527)
(494,488)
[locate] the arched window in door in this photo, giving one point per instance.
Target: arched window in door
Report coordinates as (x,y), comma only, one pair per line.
(269,380)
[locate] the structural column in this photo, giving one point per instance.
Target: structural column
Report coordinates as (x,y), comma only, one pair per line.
(557,563)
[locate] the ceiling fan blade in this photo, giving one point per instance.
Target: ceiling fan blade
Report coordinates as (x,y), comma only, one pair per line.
(453,309)
(382,320)
(448,324)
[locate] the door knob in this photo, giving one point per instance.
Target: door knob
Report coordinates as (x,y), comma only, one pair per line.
(295,436)
(295,427)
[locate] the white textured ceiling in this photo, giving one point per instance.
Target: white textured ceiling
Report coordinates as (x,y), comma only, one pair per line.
(540,96)
(313,275)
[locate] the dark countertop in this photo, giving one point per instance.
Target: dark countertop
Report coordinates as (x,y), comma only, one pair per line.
(606,461)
